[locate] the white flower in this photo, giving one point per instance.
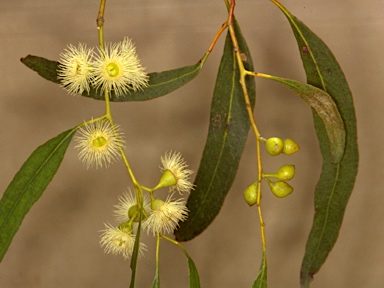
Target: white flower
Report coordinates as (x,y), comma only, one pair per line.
(179,177)
(118,69)
(166,215)
(128,205)
(119,241)
(99,143)
(75,69)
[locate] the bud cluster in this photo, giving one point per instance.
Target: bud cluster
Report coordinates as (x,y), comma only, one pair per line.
(275,146)
(280,188)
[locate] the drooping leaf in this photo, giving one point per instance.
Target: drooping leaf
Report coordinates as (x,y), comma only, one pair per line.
(325,108)
(29,184)
(337,179)
(194,280)
(160,83)
(228,129)
(261,280)
(135,252)
(156,280)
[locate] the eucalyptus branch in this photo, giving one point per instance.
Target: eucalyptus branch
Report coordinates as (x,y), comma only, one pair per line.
(243,74)
(113,72)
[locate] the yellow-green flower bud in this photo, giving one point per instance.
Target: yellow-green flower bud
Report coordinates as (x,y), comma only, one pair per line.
(286,172)
(274,146)
(290,147)
(168,179)
(280,189)
(250,194)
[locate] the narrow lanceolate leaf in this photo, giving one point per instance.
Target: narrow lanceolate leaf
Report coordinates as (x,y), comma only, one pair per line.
(194,280)
(228,129)
(337,179)
(135,252)
(160,83)
(28,185)
(156,280)
(325,108)
(261,280)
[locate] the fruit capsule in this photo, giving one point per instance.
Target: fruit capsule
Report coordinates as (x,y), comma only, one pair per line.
(274,146)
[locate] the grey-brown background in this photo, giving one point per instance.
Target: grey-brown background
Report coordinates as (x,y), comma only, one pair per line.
(57,244)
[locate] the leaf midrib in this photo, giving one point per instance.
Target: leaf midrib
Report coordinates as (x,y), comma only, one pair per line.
(229,114)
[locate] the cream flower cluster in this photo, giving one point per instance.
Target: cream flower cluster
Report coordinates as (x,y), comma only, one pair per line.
(121,239)
(158,216)
(117,69)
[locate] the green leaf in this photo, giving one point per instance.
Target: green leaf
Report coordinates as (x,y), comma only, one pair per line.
(156,280)
(29,184)
(337,179)
(325,108)
(228,130)
(160,84)
(135,253)
(194,280)
(261,280)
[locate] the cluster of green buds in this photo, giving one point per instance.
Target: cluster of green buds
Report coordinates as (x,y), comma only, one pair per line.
(275,146)
(280,188)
